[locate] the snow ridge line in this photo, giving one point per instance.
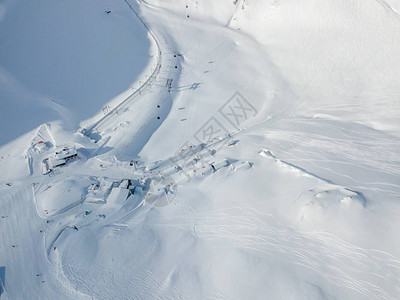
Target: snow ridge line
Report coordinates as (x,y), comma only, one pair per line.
(137,92)
(268,154)
(389,8)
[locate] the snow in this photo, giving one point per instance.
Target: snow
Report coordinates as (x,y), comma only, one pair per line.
(269,167)
(67,60)
(65,152)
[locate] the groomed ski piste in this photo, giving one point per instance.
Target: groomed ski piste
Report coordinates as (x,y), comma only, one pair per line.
(184,149)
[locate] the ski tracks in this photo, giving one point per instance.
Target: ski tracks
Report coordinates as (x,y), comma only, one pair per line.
(389,8)
(371,273)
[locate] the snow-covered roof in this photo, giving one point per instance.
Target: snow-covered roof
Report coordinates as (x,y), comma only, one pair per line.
(55,162)
(64,152)
(41,145)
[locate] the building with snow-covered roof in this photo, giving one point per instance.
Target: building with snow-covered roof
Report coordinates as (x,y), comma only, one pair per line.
(61,156)
(55,162)
(65,152)
(40,146)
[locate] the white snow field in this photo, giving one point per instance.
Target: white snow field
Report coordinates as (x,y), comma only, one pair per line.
(245,149)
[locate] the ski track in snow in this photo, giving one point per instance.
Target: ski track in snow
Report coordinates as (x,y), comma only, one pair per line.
(370,273)
(356,151)
(389,8)
(245,228)
(339,262)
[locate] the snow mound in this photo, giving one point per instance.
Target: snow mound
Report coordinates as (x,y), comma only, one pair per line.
(60,195)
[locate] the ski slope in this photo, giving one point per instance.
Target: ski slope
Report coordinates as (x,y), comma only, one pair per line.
(225,149)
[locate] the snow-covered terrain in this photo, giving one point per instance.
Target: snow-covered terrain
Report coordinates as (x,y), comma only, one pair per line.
(167,149)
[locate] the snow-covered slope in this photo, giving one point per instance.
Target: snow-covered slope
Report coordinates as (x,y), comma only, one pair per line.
(257,155)
(67,59)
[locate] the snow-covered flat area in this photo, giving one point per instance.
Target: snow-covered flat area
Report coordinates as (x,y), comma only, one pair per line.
(166,149)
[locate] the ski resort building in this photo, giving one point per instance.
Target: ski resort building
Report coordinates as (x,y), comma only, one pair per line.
(40,146)
(54,162)
(65,152)
(61,156)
